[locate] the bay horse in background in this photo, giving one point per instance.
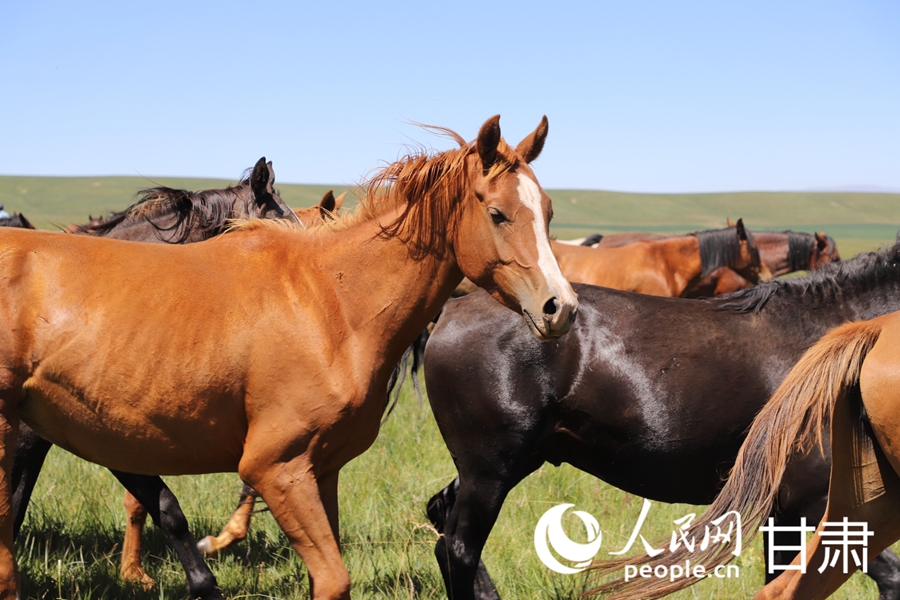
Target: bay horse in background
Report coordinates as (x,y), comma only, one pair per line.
(665,267)
(195,214)
(782,252)
(652,395)
(848,383)
(288,382)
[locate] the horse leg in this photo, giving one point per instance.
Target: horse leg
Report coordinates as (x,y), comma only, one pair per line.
(9,575)
(438,510)
(848,497)
(31,450)
(163,507)
(131,569)
(305,507)
(464,513)
(237,527)
(804,493)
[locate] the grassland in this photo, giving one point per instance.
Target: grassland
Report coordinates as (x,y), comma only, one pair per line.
(70,544)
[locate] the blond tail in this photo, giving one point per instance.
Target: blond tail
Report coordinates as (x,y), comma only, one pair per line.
(792,420)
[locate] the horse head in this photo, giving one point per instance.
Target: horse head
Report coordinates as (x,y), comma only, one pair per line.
(321,212)
(824,252)
(501,238)
(264,201)
(746,262)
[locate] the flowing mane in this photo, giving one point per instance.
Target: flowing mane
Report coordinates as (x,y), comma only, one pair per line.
(829,281)
(206,212)
(424,184)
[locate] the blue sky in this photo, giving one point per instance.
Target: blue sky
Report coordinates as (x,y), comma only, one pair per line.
(641,96)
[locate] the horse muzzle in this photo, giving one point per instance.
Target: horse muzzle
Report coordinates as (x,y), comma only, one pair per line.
(554,319)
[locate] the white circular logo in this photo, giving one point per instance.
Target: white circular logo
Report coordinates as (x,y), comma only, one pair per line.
(549,534)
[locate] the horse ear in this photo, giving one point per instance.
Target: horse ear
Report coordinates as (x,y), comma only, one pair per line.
(339,201)
(729,222)
(821,240)
(531,146)
(327,204)
(488,140)
(263,178)
(741,232)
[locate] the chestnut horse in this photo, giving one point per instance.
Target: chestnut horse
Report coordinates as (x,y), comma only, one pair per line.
(266,351)
(209,211)
(847,381)
(652,395)
(665,267)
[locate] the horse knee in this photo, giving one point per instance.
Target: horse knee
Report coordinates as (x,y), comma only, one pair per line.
(440,505)
(171,518)
(137,514)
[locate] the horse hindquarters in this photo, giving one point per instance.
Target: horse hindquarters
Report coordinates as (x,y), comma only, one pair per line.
(864,488)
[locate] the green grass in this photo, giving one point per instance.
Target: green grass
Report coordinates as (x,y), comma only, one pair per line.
(71,540)
(70,543)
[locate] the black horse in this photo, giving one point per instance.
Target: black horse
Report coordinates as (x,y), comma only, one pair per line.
(653,395)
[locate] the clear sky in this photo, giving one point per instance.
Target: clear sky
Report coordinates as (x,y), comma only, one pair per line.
(668,96)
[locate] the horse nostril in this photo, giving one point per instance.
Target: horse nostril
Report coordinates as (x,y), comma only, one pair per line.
(551,306)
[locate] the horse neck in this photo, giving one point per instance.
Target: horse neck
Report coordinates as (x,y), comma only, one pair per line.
(164,228)
(781,254)
(681,255)
(819,311)
(382,293)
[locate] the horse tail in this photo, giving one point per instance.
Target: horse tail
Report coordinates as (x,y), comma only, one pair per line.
(793,419)
(409,364)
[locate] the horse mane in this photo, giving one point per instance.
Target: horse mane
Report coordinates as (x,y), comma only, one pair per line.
(206,212)
(16,220)
(831,280)
(592,239)
(800,249)
(721,248)
(423,183)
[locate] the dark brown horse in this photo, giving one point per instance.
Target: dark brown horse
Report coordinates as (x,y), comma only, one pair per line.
(653,395)
(16,220)
(847,382)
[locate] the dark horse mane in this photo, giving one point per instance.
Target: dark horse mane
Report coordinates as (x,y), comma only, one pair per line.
(17,220)
(721,248)
(829,281)
(800,249)
(206,212)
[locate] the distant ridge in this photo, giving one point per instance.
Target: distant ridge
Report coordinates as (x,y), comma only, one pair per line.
(866,189)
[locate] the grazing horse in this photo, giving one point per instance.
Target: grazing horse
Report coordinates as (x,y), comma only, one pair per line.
(266,351)
(209,210)
(652,395)
(847,381)
(665,267)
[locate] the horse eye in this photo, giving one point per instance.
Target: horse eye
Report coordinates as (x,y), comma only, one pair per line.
(497,217)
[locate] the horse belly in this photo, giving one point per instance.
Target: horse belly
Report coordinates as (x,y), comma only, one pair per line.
(137,434)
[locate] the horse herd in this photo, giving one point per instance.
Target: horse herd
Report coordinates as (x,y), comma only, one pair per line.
(280,332)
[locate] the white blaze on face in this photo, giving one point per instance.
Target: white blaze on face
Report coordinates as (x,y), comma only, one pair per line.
(530,195)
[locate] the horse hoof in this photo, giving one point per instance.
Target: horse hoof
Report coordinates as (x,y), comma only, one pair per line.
(139,577)
(206,546)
